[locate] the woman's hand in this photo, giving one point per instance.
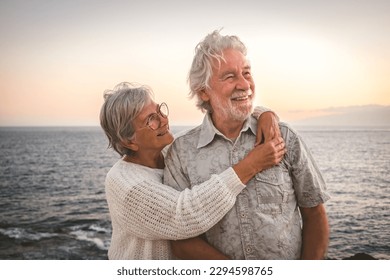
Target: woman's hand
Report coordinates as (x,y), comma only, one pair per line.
(267,128)
(267,155)
(261,157)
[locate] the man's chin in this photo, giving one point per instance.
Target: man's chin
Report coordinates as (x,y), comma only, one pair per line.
(242,114)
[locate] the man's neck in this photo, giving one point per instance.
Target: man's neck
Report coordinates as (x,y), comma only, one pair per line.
(230,128)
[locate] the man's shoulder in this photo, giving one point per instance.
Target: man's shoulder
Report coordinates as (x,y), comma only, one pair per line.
(288,133)
(184,141)
(186,135)
(286,128)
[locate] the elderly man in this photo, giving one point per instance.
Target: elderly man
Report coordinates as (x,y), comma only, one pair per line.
(280,215)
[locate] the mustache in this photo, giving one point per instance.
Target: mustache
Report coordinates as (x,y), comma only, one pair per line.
(241,93)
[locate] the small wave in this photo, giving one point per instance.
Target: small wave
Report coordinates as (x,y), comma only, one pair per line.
(89,236)
(20,233)
(99,229)
(94,233)
(93,227)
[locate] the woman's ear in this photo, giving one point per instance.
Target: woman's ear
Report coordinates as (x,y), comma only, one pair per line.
(130,145)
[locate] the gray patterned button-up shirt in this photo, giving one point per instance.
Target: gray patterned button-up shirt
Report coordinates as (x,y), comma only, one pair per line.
(265,222)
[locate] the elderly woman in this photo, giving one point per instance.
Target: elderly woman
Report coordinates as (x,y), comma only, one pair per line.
(145,213)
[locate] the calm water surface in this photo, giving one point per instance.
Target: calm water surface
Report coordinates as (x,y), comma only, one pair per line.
(53,206)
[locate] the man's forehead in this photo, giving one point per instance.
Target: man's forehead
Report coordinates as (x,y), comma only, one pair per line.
(231,60)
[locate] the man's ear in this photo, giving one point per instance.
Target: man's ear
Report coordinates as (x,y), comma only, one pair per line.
(204,95)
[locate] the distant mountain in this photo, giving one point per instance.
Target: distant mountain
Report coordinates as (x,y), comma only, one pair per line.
(368,115)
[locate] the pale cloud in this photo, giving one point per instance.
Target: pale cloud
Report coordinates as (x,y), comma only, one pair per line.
(367,115)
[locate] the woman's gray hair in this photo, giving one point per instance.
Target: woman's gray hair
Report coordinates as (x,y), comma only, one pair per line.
(206,52)
(121,106)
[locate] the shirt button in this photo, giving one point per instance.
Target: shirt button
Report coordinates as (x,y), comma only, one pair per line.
(248,249)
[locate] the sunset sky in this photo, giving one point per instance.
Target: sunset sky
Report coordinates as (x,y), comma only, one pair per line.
(57,57)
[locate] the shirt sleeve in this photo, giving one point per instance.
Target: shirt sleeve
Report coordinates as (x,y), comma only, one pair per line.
(308,182)
(151,210)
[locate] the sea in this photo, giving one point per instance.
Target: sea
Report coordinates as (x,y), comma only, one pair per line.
(53,206)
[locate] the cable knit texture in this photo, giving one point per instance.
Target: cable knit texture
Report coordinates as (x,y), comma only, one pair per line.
(145,214)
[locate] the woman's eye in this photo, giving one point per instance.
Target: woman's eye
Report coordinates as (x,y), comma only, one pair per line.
(152,118)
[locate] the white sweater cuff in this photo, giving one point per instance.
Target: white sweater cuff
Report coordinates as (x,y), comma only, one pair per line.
(232,181)
(259,110)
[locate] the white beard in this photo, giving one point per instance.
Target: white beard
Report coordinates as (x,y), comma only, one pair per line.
(230,111)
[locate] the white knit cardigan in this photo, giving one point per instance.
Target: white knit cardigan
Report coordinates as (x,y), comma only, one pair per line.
(146,214)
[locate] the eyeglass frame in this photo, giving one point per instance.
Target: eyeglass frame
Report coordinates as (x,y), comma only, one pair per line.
(159,114)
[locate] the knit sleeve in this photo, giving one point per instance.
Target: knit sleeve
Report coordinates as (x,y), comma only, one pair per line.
(259,110)
(151,210)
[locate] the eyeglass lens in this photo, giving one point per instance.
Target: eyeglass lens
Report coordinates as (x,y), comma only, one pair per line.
(154,120)
(163,110)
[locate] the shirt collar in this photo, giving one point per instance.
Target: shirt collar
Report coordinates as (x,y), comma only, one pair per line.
(209,131)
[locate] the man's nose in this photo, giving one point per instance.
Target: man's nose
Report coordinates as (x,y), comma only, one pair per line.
(242,83)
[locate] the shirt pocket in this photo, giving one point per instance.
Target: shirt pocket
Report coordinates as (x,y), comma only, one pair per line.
(273,190)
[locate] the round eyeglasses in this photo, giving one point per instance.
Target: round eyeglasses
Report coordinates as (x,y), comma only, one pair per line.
(154,120)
